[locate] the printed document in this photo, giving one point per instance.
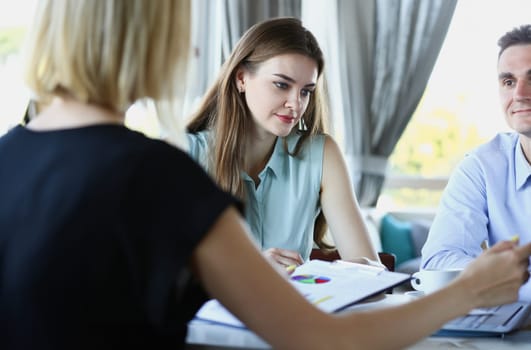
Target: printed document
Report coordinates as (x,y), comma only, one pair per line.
(331,286)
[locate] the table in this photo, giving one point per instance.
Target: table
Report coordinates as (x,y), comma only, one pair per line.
(207,336)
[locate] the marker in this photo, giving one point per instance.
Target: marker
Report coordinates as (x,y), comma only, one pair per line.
(328,297)
(291,268)
(514,238)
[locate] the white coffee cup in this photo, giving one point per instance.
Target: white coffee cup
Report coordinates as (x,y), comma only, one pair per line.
(430,280)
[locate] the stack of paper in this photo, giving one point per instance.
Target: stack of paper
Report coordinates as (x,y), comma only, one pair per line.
(331,286)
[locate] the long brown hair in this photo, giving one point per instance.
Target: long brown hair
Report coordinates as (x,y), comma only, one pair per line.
(224,110)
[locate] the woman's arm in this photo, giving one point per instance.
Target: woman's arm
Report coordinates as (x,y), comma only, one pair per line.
(341,208)
(233,271)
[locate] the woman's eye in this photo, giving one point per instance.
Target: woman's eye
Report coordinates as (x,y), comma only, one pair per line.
(281,85)
(306,92)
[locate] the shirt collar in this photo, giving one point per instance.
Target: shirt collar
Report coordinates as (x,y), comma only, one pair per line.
(522,167)
(276,162)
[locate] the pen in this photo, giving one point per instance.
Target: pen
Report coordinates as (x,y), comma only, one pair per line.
(291,268)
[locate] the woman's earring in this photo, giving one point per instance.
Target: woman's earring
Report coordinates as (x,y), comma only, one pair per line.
(302,125)
(241,90)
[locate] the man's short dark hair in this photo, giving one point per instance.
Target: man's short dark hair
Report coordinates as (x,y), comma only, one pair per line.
(517,36)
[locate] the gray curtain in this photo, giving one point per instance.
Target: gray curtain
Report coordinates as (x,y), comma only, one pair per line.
(385,55)
(240,15)
(203,64)
(206,43)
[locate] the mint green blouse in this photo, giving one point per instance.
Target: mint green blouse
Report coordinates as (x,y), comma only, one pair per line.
(282,210)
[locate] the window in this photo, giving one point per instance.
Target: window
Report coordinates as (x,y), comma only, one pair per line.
(14,96)
(460,107)
(14,17)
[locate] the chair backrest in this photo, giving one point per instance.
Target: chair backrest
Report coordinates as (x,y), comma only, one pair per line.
(387,259)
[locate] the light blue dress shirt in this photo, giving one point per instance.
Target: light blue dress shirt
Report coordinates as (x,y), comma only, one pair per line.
(488,197)
(281,211)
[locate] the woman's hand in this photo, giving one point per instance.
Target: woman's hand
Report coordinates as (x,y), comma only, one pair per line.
(495,277)
(283,258)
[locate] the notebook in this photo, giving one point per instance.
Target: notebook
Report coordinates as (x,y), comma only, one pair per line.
(488,322)
(331,286)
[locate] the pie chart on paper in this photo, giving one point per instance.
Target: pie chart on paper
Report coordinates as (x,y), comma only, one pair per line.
(310,279)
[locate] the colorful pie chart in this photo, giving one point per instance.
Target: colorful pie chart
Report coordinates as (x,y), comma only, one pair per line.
(310,279)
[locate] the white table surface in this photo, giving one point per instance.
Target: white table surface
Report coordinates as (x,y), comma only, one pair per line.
(205,335)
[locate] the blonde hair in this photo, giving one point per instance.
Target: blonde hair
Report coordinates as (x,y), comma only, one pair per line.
(107,52)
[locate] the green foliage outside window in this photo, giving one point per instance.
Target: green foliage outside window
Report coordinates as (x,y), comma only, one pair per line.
(11,41)
(432,145)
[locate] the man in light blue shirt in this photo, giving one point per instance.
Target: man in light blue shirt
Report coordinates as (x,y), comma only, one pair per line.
(488,197)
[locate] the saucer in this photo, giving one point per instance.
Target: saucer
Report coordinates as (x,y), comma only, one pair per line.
(415,294)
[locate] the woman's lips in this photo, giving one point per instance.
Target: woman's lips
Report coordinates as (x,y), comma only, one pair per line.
(288,119)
